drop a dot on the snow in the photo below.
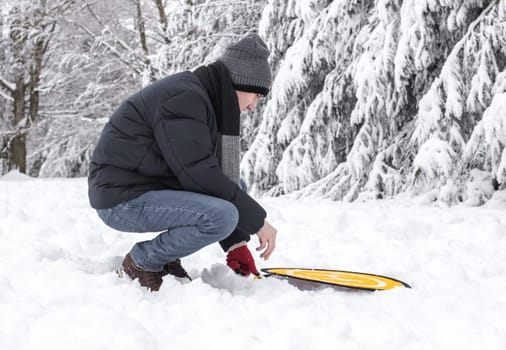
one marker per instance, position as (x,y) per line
(480,187)
(451,76)
(15,175)
(490,135)
(58,289)
(435,158)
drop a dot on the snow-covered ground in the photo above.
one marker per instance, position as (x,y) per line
(58,289)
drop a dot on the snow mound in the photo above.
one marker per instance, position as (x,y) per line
(15,175)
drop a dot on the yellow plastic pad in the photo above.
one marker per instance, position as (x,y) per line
(339,278)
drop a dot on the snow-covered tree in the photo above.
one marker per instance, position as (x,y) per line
(101,52)
(300,75)
(26,29)
(402,87)
(455,102)
(369,99)
(98,64)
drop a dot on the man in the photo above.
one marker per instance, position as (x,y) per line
(168,160)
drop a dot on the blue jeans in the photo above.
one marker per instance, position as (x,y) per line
(189,221)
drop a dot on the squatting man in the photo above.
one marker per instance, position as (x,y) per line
(168,161)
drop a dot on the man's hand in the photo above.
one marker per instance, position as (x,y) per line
(267,239)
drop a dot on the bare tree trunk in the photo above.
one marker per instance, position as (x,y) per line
(17,144)
(142,35)
(141,27)
(163,20)
(26,94)
(39,51)
(17,156)
(17,159)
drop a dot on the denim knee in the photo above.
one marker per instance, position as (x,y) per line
(231,218)
(222,218)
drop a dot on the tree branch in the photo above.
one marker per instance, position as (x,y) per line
(99,21)
(163,21)
(108,46)
(7,85)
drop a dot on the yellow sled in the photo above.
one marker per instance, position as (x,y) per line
(314,278)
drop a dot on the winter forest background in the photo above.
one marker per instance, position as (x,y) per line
(371,98)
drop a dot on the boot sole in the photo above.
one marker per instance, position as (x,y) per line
(120,272)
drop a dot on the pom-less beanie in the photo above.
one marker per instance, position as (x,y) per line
(247,61)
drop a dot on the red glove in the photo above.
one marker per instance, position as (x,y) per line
(241,261)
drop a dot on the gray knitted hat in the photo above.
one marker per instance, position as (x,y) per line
(247,62)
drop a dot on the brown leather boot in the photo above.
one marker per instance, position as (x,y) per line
(151,280)
(175,269)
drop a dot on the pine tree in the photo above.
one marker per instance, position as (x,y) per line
(391,112)
(300,74)
(455,103)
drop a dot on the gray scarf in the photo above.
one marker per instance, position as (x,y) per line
(218,84)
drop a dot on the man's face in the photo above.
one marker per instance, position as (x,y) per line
(247,100)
